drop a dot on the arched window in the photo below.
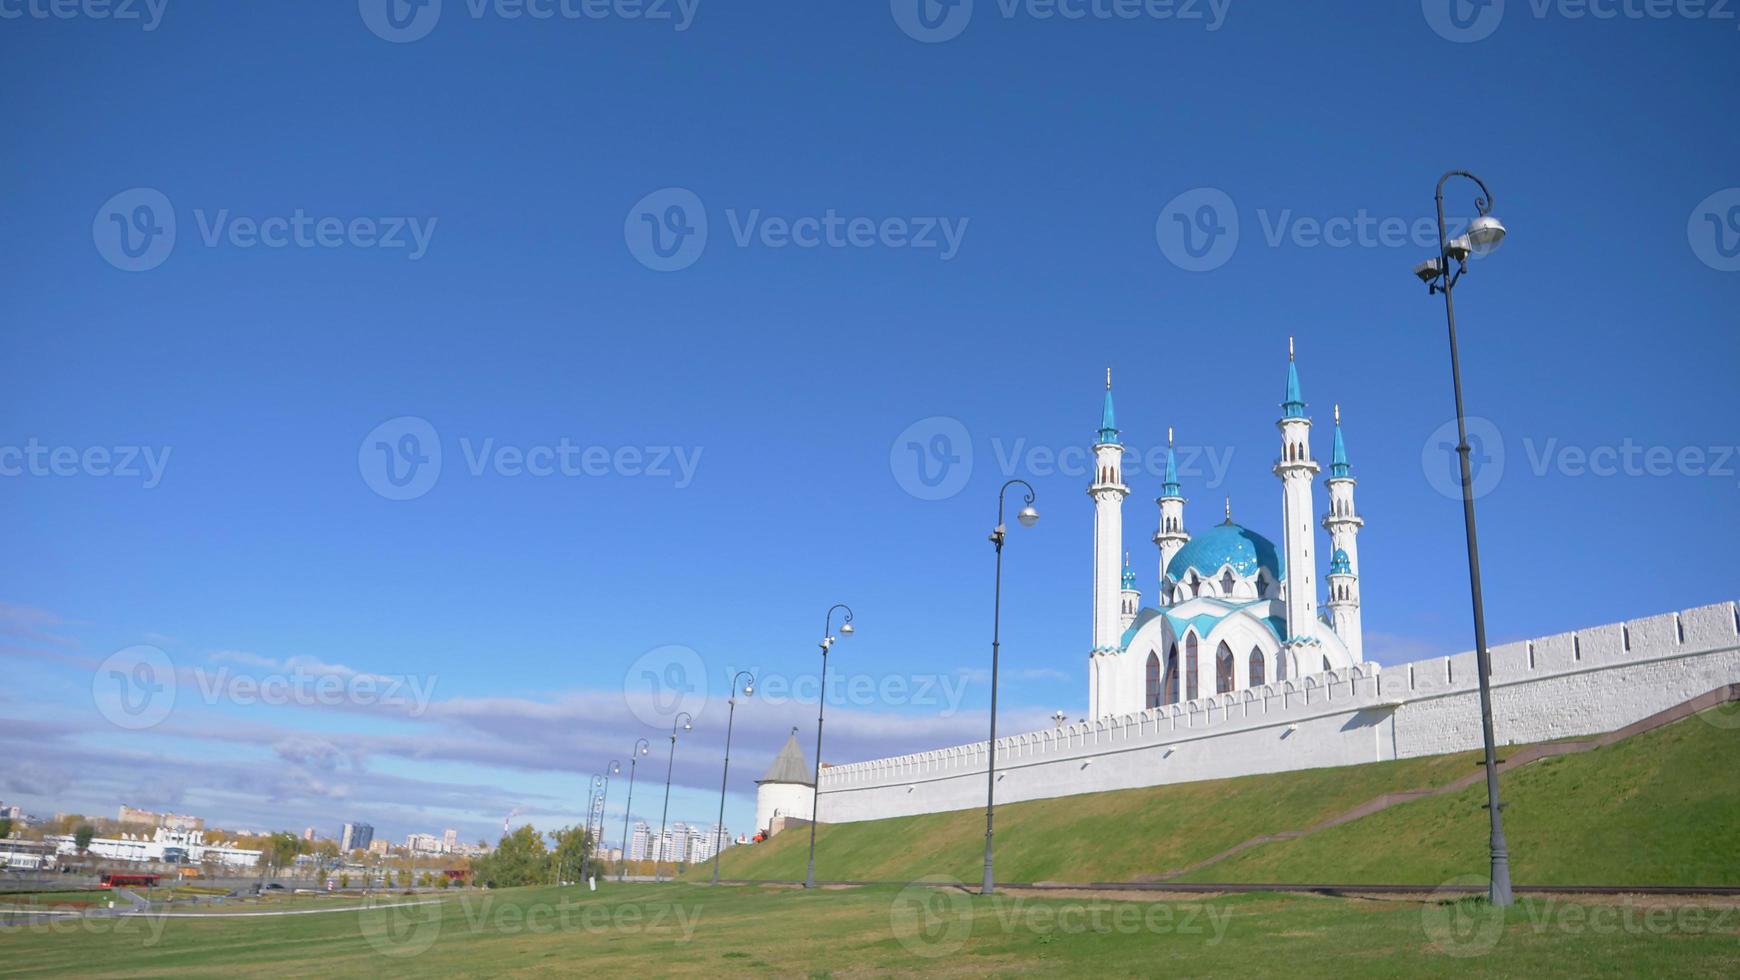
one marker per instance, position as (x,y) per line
(1153,698)
(1172,675)
(1281,665)
(1259,674)
(1195,585)
(1223,669)
(1190,686)
(1226,583)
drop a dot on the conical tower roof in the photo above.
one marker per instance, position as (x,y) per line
(789,765)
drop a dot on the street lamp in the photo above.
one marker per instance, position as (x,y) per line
(822,702)
(687,722)
(1028,517)
(599,783)
(641,746)
(1485,233)
(601,800)
(730,716)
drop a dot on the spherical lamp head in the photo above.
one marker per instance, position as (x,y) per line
(1485,234)
(1028,516)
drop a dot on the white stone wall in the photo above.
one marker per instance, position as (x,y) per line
(1579,683)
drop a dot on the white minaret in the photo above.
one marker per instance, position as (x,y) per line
(1108,491)
(1170,536)
(1298,473)
(1343,523)
(1129,598)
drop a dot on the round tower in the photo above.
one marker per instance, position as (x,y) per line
(1129,599)
(1343,523)
(1170,536)
(1108,492)
(1298,473)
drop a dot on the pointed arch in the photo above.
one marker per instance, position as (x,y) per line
(1152,700)
(1259,671)
(1191,687)
(1171,692)
(1223,669)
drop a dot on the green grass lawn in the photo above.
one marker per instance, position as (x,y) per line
(1661,808)
(687,930)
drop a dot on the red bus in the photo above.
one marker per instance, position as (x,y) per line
(121,880)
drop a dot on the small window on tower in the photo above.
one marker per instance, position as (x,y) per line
(1226,583)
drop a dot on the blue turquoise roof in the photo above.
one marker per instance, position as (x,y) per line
(1129,576)
(1108,420)
(1294,406)
(1338,461)
(1170,488)
(1226,544)
(1204,623)
(1339,564)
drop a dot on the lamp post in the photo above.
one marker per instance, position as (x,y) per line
(730,717)
(599,784)
(822,702)
(1028,517)
(641,747)
(603,801)
(1485,233)
(687,722)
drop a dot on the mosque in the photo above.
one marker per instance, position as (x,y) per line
(1233,610)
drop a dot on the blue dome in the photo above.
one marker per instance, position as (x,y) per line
(1226,544)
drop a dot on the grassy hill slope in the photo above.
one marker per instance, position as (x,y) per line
(1663,807)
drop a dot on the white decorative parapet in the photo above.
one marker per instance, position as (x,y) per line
(1580,683)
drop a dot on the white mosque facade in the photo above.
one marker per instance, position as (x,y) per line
(1234,611)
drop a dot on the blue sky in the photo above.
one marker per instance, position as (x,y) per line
(485,269)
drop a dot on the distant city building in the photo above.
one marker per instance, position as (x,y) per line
(449,840)
(704,844)
(149,818)
(638,841)
(165,845)
(308,833)
(378,848)
(423,844)
(355,837)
